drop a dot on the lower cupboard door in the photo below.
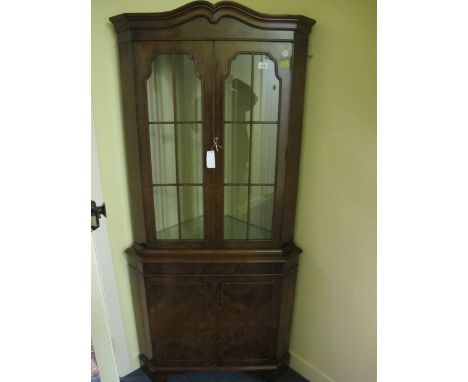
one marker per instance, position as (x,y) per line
(247,319)
(181,320)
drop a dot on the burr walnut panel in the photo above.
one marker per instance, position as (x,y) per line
(181,319)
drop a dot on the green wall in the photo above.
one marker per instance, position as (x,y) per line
(334,324)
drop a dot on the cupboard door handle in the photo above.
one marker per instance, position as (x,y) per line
(96,213)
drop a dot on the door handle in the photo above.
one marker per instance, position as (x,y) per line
(96,213)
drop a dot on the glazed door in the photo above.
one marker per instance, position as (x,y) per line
(178,124)
(251,114)
(194,92)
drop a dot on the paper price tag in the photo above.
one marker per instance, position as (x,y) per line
(210,159)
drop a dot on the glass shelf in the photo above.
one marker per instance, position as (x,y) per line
(235,228)
(190,229)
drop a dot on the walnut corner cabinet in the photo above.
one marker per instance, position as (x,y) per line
(213,100)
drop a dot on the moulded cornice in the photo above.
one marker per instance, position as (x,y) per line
(213,13)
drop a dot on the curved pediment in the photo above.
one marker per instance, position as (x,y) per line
(213,13)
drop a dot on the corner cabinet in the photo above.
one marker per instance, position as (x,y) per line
(213,106)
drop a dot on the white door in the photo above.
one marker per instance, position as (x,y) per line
(107,329)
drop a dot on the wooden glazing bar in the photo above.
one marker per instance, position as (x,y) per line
(175,142)
(250,142)
(252,122)
(175,123)
(246,184)
(179,184)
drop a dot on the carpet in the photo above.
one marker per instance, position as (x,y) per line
(94,367)
(288,376)
(214,377)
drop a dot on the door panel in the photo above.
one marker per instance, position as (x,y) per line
(181,319)
(246,323)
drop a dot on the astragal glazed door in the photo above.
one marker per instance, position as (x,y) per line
(217,98)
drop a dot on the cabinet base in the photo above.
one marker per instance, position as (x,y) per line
(160,373)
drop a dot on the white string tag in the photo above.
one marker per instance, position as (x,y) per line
(210,159)
(210,154)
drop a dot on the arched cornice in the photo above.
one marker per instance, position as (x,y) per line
(213,13)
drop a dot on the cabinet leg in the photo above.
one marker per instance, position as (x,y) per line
(160,378)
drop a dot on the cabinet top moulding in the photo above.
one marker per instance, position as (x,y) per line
(198,15)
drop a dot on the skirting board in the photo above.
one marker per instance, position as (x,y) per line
(307,370)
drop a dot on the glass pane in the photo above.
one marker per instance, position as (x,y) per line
(238,89)
(160,90)
(266,88)
(263,153)
(191,212)
(176,149)
(236,153)
(235,212)
(165,207)
(189,153)
(261,212)
(162,153)
(188,89)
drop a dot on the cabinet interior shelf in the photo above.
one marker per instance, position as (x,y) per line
(234,229)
